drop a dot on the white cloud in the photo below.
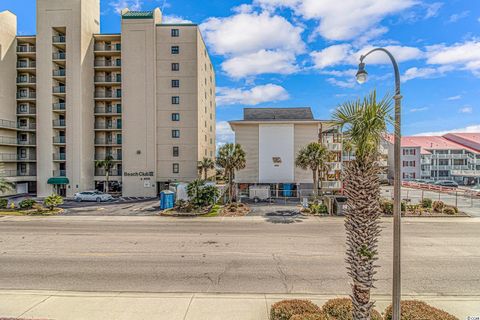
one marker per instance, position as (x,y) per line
(458,97)
(174,19)
(458,16)
(243,8)
(331,56)
(401,54)
(469,129)
(342,20)
(466,109)
(119,5)
(256,95)
(432,9)
(350,83)
(425,73)
(224,133)
(419,109)
(465,56)
(261,62)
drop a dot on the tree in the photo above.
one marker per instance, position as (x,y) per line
(53,201)
(107,164)
(364,122)
(201,194)
(205,165)
(231,158)
(5,185)
(313,157)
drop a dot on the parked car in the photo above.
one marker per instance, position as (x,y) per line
(474,191)
(92,196)
(447,183)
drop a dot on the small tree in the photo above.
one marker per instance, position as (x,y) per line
(108,165)
(200,194)
(231,157)
(5,185)
(205,165)
(314,157)
(53,201)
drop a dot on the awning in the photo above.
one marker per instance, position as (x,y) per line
(58,180)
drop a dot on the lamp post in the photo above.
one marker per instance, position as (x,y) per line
(361,78)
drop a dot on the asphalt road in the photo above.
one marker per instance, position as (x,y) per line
(242,255)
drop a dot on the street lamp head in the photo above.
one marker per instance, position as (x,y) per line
(361,73)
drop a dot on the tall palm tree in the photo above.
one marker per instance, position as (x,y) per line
(313,157)
(231,157)
(205,165)
(364,122)
(107,164)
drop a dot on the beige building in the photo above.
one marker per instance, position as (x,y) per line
(272,138)
(70,96)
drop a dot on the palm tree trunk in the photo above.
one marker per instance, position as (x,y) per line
(205,171)
(362,224)
(107,177)
(315,184)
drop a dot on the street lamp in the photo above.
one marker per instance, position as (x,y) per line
(361,78)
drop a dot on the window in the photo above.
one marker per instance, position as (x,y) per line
(409,152)
(175,49)
(176,152)
(175,133)
(175,83)
(175,100)
(408,163)
(175,32)
(175,116)
(175,66)
(176,168)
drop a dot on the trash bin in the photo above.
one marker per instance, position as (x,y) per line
(287,189)
(339,205)
(167,199)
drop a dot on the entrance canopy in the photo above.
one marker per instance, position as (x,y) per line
(58,180)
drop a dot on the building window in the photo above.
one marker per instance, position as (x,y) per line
(175,66)
(175,33)
(176,152)
(176,168)
(175,49)
(409,152)
(175,116)
(175,133)
(175,83)
(175,100)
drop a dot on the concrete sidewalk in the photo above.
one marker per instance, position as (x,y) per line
(65,305)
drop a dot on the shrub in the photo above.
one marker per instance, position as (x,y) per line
(285,309)
(311,316)
(26,203)
(317,207)
(386,206)
(53,201)
(342,308)
(438,206)
(418,310)
(426,203)
(202,195)
(449,210)
(3,203)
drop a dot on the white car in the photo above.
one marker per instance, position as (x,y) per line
(92,196)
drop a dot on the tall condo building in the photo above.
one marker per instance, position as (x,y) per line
(71,97)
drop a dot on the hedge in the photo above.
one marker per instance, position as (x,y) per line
(342,308)
(285,309)
(418,310)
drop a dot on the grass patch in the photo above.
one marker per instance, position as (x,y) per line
(32,212)
(214,212)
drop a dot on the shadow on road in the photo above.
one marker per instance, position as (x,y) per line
(284,217)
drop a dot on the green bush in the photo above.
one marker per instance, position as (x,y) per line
(438,206)
(3,203)
(26,203)
(386,206)
(342,308)
(317,207)
(418,310)
(53,201)
(202,195)
(449,210)
(427,203)
(311,316)
(285,309)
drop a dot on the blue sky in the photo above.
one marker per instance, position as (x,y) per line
(294,53)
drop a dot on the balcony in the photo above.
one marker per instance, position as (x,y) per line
(59,140)
(27,126)
(59,157)
(24,95)
(8,157)
(26,80)
(334,166)
(60,173)
(331,185)
(59,56)
(58,123)
(108,79)
(59,39)
(18,173)
(108,110)
(7,124)
(334,146)
(107,95)
(8,141)
(99,172)
(108,47)
(26,49)
(449,156)
(108,142)
(26,64)
(59,89)
(108,63)
(460,167)
(103,156)
(26,110)
(28,142)
(108,126)
(60,73)
(59,106)
(27,158)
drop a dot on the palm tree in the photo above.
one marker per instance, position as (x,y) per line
(348,148)
(364,122)
(107,164)
(231,158)
(205,165)
(313,157)
(5,185)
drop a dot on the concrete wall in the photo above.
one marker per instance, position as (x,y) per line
(247,135)
(304,134)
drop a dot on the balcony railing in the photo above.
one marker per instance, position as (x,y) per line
(101,94)
(59,56)
(59,89)
(103,156)
(59,139)
(112,109)
(28,110)
(334,166)
(107,63)
(59,73)
(7,124)
(28,142)
(26,95)
(29,157)
(27,126)
(8,140)
(59,106)
(331,184)
(59,123)
(102,172)
(22,80)
(334,146)
(107,126)
(59,156)
(8,157)
(18,173)
(108,141)
(58,39)
(108,79)
(25,64)
(60,173)
(112,47)
(26,49)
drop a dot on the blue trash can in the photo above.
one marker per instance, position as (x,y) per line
(167,199)
(287,189)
